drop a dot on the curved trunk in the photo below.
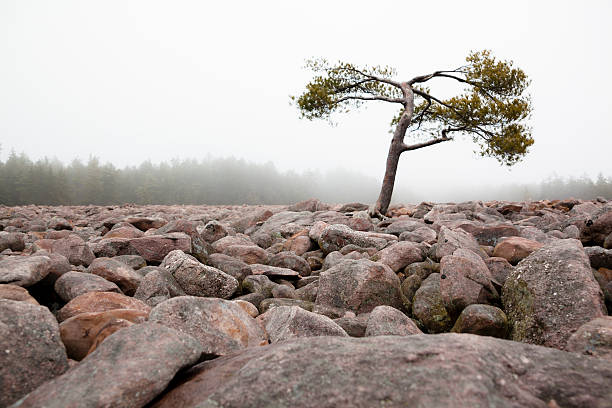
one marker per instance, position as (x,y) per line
(395,150)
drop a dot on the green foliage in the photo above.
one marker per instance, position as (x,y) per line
(493,107)
(338,87)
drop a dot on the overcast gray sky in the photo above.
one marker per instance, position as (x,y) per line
(129,80)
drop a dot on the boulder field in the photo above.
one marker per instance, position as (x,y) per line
(476,304)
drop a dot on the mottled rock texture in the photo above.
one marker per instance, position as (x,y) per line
(396,371)
(31,351)
(551,293)
(127,370)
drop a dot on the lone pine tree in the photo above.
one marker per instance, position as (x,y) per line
(492,107)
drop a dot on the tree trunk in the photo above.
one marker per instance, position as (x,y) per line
(395,150)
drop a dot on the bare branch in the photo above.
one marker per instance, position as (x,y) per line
(373,77)
(422,113)
(371,98)
(431,142)
(424,78)
(444,74)
(353,85)
(428,96)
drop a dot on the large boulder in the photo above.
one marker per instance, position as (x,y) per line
(59,266)
(221,326)
(110,247)
(428,306)
(551,293)
(24,270)
(354,326)
(74,248)
(465,280)
(514,249)
(358,286)
(198,246)
(250,254)
(230,265)
(31,349)
(268,233)
(158,286)
(127,370)
(593,338)
(14,292)
(146,223)
(335,237)
(404,225)
(446,370)
(213,231)
(490,234)
(500,269)
(73,284)
(422,234)
(259,284)
(388,321)
(599,257)
(12,240)
(100,302)
(79,332)
(222,244)
(449,240)
(124,230)
(198,279)
(117,272)
(290,322)
(597,227)
(154,248)
(288,259)
(484,320)
(399,255)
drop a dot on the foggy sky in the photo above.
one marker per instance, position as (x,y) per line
(128,81)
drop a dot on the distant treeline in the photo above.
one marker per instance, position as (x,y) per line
(234,181)
(207,181)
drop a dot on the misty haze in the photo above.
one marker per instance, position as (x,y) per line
(321,204)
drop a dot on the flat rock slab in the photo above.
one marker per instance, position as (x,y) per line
(31,351)
(274,271)
(447,370)
(127,370)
